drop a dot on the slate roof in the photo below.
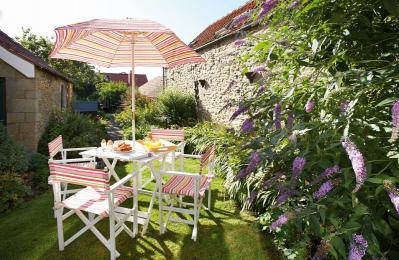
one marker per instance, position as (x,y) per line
(152,88)
(14,47)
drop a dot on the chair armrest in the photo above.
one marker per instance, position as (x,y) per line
(121,182)
(72,160)
(176,173)
(194,156)
(78,149)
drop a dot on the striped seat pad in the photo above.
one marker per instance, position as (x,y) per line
(184,185)
(55,146)
(78,175)
(168,134)
(89,164)
(95,200)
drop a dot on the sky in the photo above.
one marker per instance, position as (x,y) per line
(187,18)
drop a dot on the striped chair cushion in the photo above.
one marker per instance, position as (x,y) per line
(168,134)
(55,146)
(184,185)
(95,200)
(78,175)
(207,157)
(89,164)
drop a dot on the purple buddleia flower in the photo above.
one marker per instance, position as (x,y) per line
(261,90)
(283,197)
(241,109)
(242,18)
(393,194)
(395,121)
(322,250)
(297,166)
(294,4)
(327,173)
(254,161)
(270,182)
(309,106)
(247,126)
(290,120)
(240,42)
(277,116)
(259,69)
(323,190)
(282,219)
(344,106)
(266,7)
(252,196)
(358,247)
(357,160)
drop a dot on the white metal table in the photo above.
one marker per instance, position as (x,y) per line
(143,159)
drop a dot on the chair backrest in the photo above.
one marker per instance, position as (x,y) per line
(55,146)
(207,157)
(95,178)
(168,134)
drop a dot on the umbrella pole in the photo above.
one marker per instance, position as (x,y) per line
(133,97)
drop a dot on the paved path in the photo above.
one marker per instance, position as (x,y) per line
(113,129)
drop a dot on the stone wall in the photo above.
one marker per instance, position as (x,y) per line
(29,102)
(224,84)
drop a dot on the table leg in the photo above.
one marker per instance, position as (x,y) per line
(111,167)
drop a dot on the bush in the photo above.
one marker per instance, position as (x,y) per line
(39,171)
(77,130)
(177,108)
(318,153)
(13,191)
(12,157)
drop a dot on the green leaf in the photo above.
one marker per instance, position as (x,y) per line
(386,102)
(315,225)
(339,245)
(392,7)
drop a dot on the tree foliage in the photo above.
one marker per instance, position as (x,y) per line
(83,75)
(111,93)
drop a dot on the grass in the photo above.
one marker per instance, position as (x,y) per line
(224,233)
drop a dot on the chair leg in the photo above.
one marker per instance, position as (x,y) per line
(60,229)
(172,200)
(209,199)
(196,210)
(181,163)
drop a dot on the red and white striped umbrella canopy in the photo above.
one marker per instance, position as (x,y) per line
(108,43)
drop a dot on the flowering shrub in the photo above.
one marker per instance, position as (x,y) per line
(317,156)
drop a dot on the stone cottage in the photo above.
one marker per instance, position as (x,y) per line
(29,91)
(218,83)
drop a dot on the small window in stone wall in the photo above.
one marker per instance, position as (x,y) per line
(3,112)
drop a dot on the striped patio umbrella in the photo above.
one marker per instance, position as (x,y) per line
(122,43)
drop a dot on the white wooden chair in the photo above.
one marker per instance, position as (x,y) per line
(172,135)
(187,184)
(98,198)
(56,146)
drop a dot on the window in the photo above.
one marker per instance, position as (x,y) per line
(3,113)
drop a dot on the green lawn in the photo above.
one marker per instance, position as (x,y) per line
(224,233)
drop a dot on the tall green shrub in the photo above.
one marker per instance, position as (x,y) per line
(12,157)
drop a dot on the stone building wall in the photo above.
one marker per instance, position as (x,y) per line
(224,84)
(29,102)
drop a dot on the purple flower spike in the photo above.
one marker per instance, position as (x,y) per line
(282,219)
(277,116)
(261,90)
(283,197)
(323,190)
(395,121)
(358,247)
(254,161)
(241,109)
(290,120)
(268,183)
(294,4)
(259,69)
(393,194)
(309,106)
(327,173)
(297,166)
(343,107)
(247,126)
(357,160)
(266,7)
(240,42)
